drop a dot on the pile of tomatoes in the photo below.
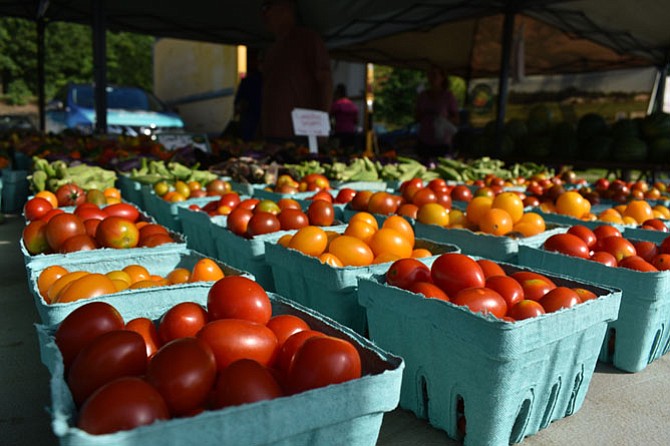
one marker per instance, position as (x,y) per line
(183,190)
(484,287)
(57,284)
(606,244)
(194,358)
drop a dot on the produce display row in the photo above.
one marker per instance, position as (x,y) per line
(381,268)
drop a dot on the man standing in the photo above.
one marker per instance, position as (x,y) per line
(296,71)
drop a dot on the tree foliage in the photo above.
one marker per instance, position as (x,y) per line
(69,56)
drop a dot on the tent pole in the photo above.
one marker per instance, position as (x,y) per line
(503,80)
(99,65)
(659,98)
(41,25)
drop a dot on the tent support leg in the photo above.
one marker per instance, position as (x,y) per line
(100,65)
(503,80)
(41,102)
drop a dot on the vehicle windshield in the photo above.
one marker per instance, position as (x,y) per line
(127,98)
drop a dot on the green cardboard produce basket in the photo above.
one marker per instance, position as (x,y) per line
(509,379)
(642,331)
(349,413)
(131,190)
(197,228)
(165,212)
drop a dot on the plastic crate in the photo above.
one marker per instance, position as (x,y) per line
(642,330)
(131,190)
(495,247)
(15,190)
(329,290)
(349,413)
(126,301)
(197,227)
(509,380)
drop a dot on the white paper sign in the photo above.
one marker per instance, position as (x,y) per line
(310,123)
(173,141)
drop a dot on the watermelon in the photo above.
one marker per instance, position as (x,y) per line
(656,125)
(629,149)
(596,148)
(590,125)
(659,150)
(625,128)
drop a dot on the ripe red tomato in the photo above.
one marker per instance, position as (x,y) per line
(182,320)
(123,404)
(481,300)
(619,247)
(664,247)
(123,210)
(61,227)
(404,272)
(70,195)
(117,232)
(525,275)
(81,242)
(646,249)
(321,213)
(568,244)
(286,325)
(184,372)
(507,287)
(52,213)
(656,224)
(155,240)
(535,289)
(146,328)
(89,213)
(453,272)
(91,226)
(345,195)
(238,297)
(423,196)
(661,262)
(322,361)
(637,263)
(491,268)
(525,309)
(461,193)
(292,219)
(83,325)
(585,294)
(238,220)
(604,257)
(559,297)
(290,346)
(233,339)
(244,381)
(230,199)
(360,200)
(429,290)
(603,231)
(383,203)
(36,208)
(109,356)
(444,199)
(322,195)
(262,223)
(248,204)
(34,237)
(584,233)
(152,229)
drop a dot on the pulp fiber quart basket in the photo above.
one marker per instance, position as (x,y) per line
(131,190)
(130,302)
(646,234)
(494,247)
(566,220)
(349,413)
(329,290)
(508,379)
(197,228)
(361,185)
(641,333)
(348,213)
(246,188)
(165,212)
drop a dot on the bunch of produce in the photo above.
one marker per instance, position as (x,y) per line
(50,176)
(182,190)
(247,170)
(152,172)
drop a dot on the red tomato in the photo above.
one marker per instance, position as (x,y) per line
(238,220)
(88,213)
(34,237)
(322,361)
(238,297)
(535,289)
(360,200)
(81,242)
(52,213)
(461,193)
(646,249)
(184,372)
(453,272)
(444,199)
(507,287)
(604,257)
(152,229)
(248,204)
(61,227)
(345,195)
(244,381)
(285,325)
(585,294)
(429,290)
(655,223)
(383,203)
(491,268)
(231,199)
(559,297)
(109,356)
(568,244)
(233,339)
(117,232)
(323,196)
(665,246)
(603,231)
(438,184)
(182,320)
(83,325)
(292,219)
(661,262)
(91,226)
(36,208)
(584,233)
(424,196)
(123,404)
(123,210)
(146,328)
(525,275)
(290,346)
(525,309)
(637,263)
(404,272)
(481,300)
(262,223)
(321,213)
(70,195)
(619,247)
(155,240)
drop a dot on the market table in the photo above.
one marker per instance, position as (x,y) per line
(620,408)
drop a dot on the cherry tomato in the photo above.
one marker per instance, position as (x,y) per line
(109,356)
(244,381)
(481,300)
(453,272)
(70,195)
(603,231)
(322,361)
(568,244)
(491,268)
(585,294)
(584,233)
(83,325)
(117,232)
(233,339)
(80,242)
(360,200)
(646,249)
(285,325)
(382,203)
(405,272)
(230,199)
(351,251)
(535,289)
(61,227)
(604,257)
(238,297)
(661,262)
(182,320)
(559,297)
(510,289)
(292,219)
(34,237)
(290,346)
(262,223)
(321,213)
(525,275)
(36,208)
(429,290)
(146,328)
(345,195)
(123,210)
(637,263)
(184,372)
(122,404)
(89,213)
(619,247)
(238,220)
(525,309)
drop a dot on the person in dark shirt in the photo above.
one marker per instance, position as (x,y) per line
(248,98)
(345,115)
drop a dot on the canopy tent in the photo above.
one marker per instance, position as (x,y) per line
(469,37)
